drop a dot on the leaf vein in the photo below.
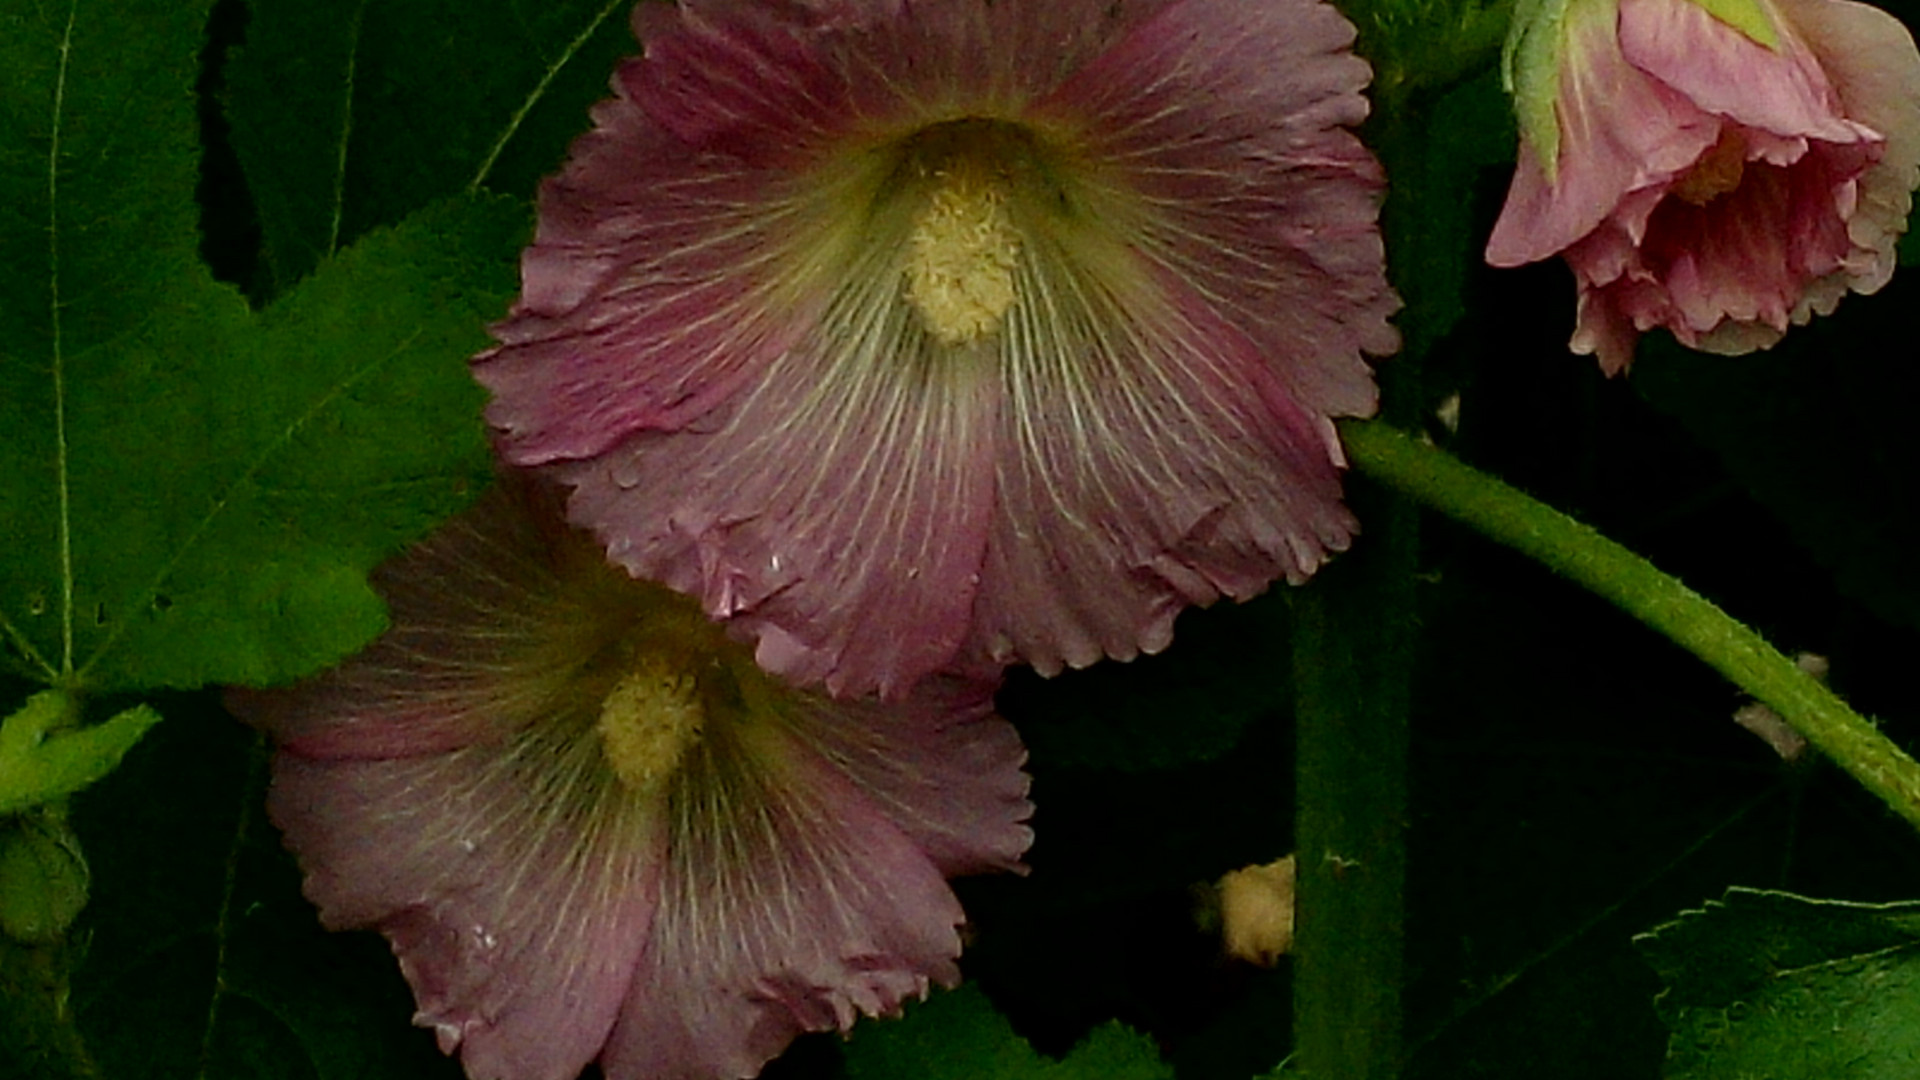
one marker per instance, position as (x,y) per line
(253,468)
(553,70)
(346,129)
(59,369)
(224,921)
(27,651)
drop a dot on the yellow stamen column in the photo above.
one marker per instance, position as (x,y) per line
(961,258)
(648,721)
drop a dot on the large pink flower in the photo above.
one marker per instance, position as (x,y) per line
(593,829)
(1721,181)
(901,331)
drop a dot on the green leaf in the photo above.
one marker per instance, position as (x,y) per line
(344,427)
(959,1036)
(193,494)
(99,285)
(1225,668)
(1817,431)
(204,962)
(348,115)
(1776,986)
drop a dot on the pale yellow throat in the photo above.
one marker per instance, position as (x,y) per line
(649,721)
(961,257)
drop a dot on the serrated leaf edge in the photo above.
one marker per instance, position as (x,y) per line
(253,469)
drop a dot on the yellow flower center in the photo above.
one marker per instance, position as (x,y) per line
(961,257)
(935,244)
(1717,172)
(649,720)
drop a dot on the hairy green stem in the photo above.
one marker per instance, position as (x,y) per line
(1580,554)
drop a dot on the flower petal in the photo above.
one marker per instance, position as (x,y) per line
(518,928)
(790,904)
(471,656)
(637,256)
(1153,463)
(1875,69)
(1727,73)
(1254,188)
(1620,131)
(835,512)
(940,765)
(656,282)
(1730,275)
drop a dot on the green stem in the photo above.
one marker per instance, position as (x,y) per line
(1579,553)
(1353,640)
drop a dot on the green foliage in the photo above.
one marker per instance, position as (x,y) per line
(1772,986)
(218,480)
(1817,429)
(193,494)
(227,484)
(959,1036)
(204,961)
(100,294)
(349,115)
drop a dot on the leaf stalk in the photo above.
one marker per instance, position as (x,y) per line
(1581,554)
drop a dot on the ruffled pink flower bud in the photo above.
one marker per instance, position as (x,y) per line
(594,830)
(1721,168)
(912,334)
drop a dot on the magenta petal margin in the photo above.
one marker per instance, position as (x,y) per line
(883,443)
(593,830)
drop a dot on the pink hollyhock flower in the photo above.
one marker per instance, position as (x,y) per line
(901,331)
(1722,168)
(593,829)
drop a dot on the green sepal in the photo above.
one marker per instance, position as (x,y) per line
(1530,73)
(40,763)
(1750,17)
